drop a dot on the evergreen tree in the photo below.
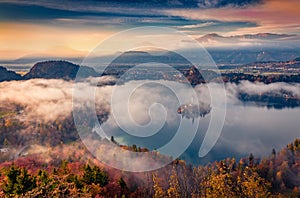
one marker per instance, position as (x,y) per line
(18,181)
(251,160)
(273,154)
(43,177)
(100,176)
(112,139)
(122,183)
(95,175)
(88,175)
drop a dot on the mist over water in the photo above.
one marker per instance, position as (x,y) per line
(250,129)
(247,128)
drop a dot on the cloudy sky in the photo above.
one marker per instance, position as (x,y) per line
(76,27)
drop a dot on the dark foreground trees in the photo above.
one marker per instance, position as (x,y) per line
(61,182)
(18,181)
(274,176)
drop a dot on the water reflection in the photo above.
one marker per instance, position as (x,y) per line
(250,126)
(249,129)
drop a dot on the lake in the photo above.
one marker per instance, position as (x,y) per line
(248,128)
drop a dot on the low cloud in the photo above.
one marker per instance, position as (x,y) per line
(260,89)
(39,98)
(48,100)
(45,100)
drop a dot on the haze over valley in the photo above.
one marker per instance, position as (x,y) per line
(150,98)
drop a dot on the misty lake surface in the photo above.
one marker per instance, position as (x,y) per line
(250,129)
(247,128)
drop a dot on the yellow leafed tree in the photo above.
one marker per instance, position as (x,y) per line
(174,188)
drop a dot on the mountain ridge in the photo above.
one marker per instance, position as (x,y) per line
(52,69)
(6,75)
(264,36)
(61,69)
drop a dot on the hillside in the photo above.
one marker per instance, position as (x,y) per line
(6,75)
(72,172)
(266,72)
(49,70)
(58,70)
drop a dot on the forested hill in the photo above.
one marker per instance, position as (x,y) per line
(49,70)
(57,69)
(65,70)
(6,75)
(276,175)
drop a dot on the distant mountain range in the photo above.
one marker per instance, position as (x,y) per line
(260,41)
(140,57)
(68,71)
(54,53)
(221,56)
(260,36)
(237,49)
(246,56)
